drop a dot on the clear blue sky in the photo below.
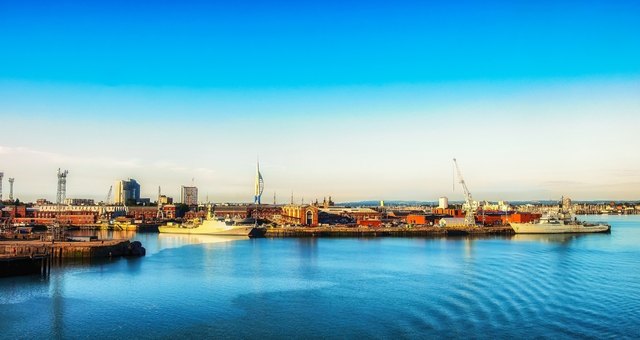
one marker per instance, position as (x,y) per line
(405,77)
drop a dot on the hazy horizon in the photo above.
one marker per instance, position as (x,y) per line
(358,101)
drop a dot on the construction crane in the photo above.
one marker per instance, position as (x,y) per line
(469,217)
(104,215)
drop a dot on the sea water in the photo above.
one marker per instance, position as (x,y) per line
(552,286)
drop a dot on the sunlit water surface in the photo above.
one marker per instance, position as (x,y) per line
(200,286)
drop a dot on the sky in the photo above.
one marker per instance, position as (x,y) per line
(364,100)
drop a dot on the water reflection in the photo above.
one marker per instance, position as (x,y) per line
(57,306)
(547,238)
(178,240)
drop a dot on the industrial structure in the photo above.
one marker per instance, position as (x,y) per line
(160,213)
(1,175)
(58,231)
(443,203)
(468,206)
(62,186)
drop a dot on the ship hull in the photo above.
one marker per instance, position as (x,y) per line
(542,228)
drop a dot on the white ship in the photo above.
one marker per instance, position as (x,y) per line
(209,226)
(213,226)
(559,224)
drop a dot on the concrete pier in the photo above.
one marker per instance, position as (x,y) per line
(79,250)
(33,257)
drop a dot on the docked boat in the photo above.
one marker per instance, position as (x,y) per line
(559,224)
(120,224)
(210,226)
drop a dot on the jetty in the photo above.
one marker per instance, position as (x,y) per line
(18,257)
(430,231)
(70,249)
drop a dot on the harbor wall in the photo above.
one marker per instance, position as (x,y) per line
(78,250)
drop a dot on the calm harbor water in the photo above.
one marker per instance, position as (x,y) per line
(199,286)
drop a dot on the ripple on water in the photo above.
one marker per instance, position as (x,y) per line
(540,287)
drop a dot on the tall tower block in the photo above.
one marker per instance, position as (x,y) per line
(11,188)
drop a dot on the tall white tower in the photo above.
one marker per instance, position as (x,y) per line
(11,188)
(259,185)
(1,175)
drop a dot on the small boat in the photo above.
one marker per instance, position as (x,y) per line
(119,224)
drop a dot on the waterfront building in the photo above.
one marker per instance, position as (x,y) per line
(126,190)
(360,216)
(236,212)
(449,212)
(165,200)
(79,201)
(189,195)
(417,219)
(300,214)
(269,212)
(112,209)
(566,203)
(42,201)
(169,211)
(143,213)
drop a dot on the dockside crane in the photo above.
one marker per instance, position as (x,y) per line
(104,215)
(469,217)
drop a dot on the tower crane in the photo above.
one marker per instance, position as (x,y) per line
(469,217)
